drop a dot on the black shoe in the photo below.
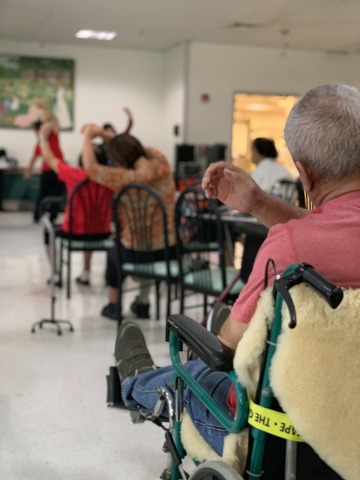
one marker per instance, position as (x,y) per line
(80,281)
(131,353)
(57,281)
(111,310)
(140,309)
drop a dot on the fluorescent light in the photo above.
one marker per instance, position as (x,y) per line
(259,107)
(95,34)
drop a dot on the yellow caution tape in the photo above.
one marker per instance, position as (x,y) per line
(270,421)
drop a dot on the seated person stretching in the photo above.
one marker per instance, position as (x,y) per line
(102,156)
(71,176)
(134,163)
(322,134)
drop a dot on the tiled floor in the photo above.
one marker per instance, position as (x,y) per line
(54,422)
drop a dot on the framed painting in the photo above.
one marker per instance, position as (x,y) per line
(32,87)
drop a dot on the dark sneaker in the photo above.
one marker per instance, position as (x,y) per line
(111,310)
(82,281)
(131,353)
(57,281)
(140,309)
(217,317)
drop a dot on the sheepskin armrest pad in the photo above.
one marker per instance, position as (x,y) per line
(202,342)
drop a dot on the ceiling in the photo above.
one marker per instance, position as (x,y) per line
(331,25)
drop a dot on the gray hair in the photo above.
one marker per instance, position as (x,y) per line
(323,131)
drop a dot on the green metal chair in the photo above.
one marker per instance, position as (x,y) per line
(92,203)
(139,211)
(202,250)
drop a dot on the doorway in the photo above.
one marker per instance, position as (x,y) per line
(260,115)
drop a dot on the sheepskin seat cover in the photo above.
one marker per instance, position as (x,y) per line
(315,375)
(315,372)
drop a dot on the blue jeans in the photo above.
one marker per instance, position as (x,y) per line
(141,390)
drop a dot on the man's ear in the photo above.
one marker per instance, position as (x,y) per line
(306,175)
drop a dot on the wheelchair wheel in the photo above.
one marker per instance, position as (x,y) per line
(213,470)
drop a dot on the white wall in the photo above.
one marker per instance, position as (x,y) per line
(164,89)
(106,80)
(175,96)
(221,70)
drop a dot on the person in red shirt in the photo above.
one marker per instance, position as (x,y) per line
(50,185)
(71,176)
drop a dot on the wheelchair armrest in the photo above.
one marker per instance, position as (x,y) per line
(202,342)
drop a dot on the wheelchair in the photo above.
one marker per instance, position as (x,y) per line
(274,448)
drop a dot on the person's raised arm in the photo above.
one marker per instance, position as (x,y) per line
(47,115)
(55,121)
(234,187)
(90,131)
(130,120)
(30,168)
(48,155)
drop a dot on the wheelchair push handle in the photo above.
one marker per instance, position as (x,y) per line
(304,272)
(330,292)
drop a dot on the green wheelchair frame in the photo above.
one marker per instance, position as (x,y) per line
(204,345)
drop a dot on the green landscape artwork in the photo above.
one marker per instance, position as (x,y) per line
(27,82)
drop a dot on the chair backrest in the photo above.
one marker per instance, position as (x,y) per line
(47,203)
(286,189)
(200,234)
(141,222)
(89,210)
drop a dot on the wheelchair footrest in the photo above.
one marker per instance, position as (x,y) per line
(113,398)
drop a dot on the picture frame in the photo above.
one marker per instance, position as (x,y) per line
(29,82)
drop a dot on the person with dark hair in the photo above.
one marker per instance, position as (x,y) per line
(109,132)
(109,127)
(265,147)
(49,183)
(268,171)
(132,163)
(71,176)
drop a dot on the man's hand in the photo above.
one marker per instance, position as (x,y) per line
(231,185)
(234,187)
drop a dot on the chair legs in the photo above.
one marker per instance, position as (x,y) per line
(61,261)
(64,258)
(158,291)
(205,304)
(182,298)
(68,279)
(168,302)
(157,300)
